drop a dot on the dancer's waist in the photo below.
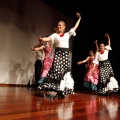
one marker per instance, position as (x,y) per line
(104,61)
(61,49)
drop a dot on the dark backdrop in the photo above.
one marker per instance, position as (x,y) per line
(98,17)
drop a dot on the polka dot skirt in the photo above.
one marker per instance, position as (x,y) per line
(61,65)
(105,73)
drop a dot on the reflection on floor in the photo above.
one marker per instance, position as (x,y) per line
(20,103)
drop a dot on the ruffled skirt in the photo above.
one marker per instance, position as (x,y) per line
(107,82)
(59,77)
(91,78)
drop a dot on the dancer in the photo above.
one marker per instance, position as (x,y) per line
(107,82)
(48,60)
(59,78)
(91,77)
(39,62)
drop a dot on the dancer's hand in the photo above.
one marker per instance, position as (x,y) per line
(107,35)
(32,48)
(80,62)
(40,39)
(96,41)
(78,15)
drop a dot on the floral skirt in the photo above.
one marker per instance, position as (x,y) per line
(46,67)
(91,77)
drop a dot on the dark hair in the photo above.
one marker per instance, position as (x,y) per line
(101,43)
(92,51)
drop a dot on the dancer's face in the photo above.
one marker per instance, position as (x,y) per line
(47,44)
(61,26)
(102,47)
(91,53)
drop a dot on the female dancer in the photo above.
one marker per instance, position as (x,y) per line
(59,78)
(48,60)
(91,77)
(107,82)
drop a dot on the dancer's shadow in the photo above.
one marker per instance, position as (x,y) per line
(21,72)
(25,71)
(14,72)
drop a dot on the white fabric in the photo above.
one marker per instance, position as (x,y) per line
(112,84)
(102,57)
(67,82)
(62,42)
(108,47)
(72,32)
(39,55)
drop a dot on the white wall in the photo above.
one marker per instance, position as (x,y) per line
(21,22)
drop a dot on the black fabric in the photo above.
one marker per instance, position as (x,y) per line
(105,72)
(38,67)
(61,65)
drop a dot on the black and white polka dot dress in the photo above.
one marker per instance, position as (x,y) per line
(107,82)
(59,77)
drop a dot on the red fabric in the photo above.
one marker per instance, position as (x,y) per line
(91,76)
(48,60)
(101,52)
(61,35)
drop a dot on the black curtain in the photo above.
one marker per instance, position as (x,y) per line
(97,19)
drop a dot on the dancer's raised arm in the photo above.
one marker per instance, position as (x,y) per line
(107,35)
(78,21)
(96,44)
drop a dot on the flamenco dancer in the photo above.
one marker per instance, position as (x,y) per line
(59,78)
(48,60)
(107,82)
(91,77)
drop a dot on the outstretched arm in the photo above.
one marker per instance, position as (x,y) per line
(38,48)
(96,44)
(78,21)
(36,45)
(107,35)
(83,61)
(44,39)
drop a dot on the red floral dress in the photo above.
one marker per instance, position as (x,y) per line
(48,60)
(92,75)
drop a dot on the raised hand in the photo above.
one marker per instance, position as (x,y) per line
(40,39)
(96,41)
(107,35)
(78,15)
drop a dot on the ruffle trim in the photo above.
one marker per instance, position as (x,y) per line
(108,47)
(66,85)
(112,86)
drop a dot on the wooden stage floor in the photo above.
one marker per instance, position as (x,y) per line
(20,103)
